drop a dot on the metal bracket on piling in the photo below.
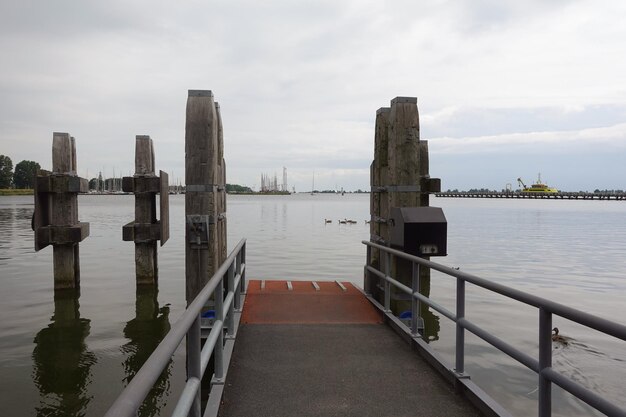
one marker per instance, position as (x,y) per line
(197,228)
(377,239)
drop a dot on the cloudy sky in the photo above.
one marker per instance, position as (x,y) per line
(505,88)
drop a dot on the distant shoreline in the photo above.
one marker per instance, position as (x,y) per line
(11,191)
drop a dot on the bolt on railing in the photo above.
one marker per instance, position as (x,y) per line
(547,308)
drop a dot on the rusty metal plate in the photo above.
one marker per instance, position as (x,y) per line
(275,303)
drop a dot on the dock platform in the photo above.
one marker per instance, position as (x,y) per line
(322,349)
(561,195)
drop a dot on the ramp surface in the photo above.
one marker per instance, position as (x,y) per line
(304,352)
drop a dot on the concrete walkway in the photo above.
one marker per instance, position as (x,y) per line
(308,352)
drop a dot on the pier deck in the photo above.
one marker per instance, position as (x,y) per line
(561,195)
(326,352)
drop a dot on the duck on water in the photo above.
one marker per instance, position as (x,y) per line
(556,337)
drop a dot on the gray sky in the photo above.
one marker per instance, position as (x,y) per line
(505,88)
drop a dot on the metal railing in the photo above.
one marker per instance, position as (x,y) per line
(542,365)
(233,272)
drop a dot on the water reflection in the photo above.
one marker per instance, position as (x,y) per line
(145,332)
(14,226)
(62,363)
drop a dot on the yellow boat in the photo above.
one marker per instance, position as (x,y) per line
(538,187)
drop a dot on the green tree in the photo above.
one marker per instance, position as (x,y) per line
(6,171)
(25,172)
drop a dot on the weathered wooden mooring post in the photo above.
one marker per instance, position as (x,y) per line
(55,220)
(205,196)
(205,206)
(399,178)
(145,230)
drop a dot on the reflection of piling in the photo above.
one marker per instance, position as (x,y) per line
(62,363)
(145,332)
(56,212)
(146,230)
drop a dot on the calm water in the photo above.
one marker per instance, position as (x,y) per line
(73,355)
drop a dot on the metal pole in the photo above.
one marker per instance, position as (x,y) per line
(194,362)
(366,275)
(387,284)
(415,304)
(219,345)
(238,289)
(230,316)
(243,274)
(545,362)
(460,332)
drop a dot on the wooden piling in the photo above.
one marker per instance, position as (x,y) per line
(400,178)
(201,179)
(221,190)
(56,212)
(379,202)
(145,230)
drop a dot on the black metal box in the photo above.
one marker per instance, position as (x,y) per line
(421,231)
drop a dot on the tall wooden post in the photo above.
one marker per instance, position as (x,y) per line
(56,212)
(379,201)
(221,189)
(146,230)
(201,175)
(400,178)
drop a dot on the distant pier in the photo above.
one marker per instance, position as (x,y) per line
(548,196)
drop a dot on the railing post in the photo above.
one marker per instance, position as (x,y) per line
(218,352)
(230,316)
(243,274)
(194,362)
(460,332)
(238,289)
(415,303)
(387,284)
(545,361)
(366,275)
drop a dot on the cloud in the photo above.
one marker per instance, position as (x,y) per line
(299,82)
(598,140)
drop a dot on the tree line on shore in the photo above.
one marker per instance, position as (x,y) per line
(23,177)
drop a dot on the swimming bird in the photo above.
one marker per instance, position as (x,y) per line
(327,221)
(556,337)
(342,221)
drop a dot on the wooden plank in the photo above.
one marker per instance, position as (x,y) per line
(128,232)
(41,216)
(143,184)
(221,182)
(164,202)
(62,183)
(63,235)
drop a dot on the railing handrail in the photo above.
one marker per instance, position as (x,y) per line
(542,366)
(598,323)
(133,395)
